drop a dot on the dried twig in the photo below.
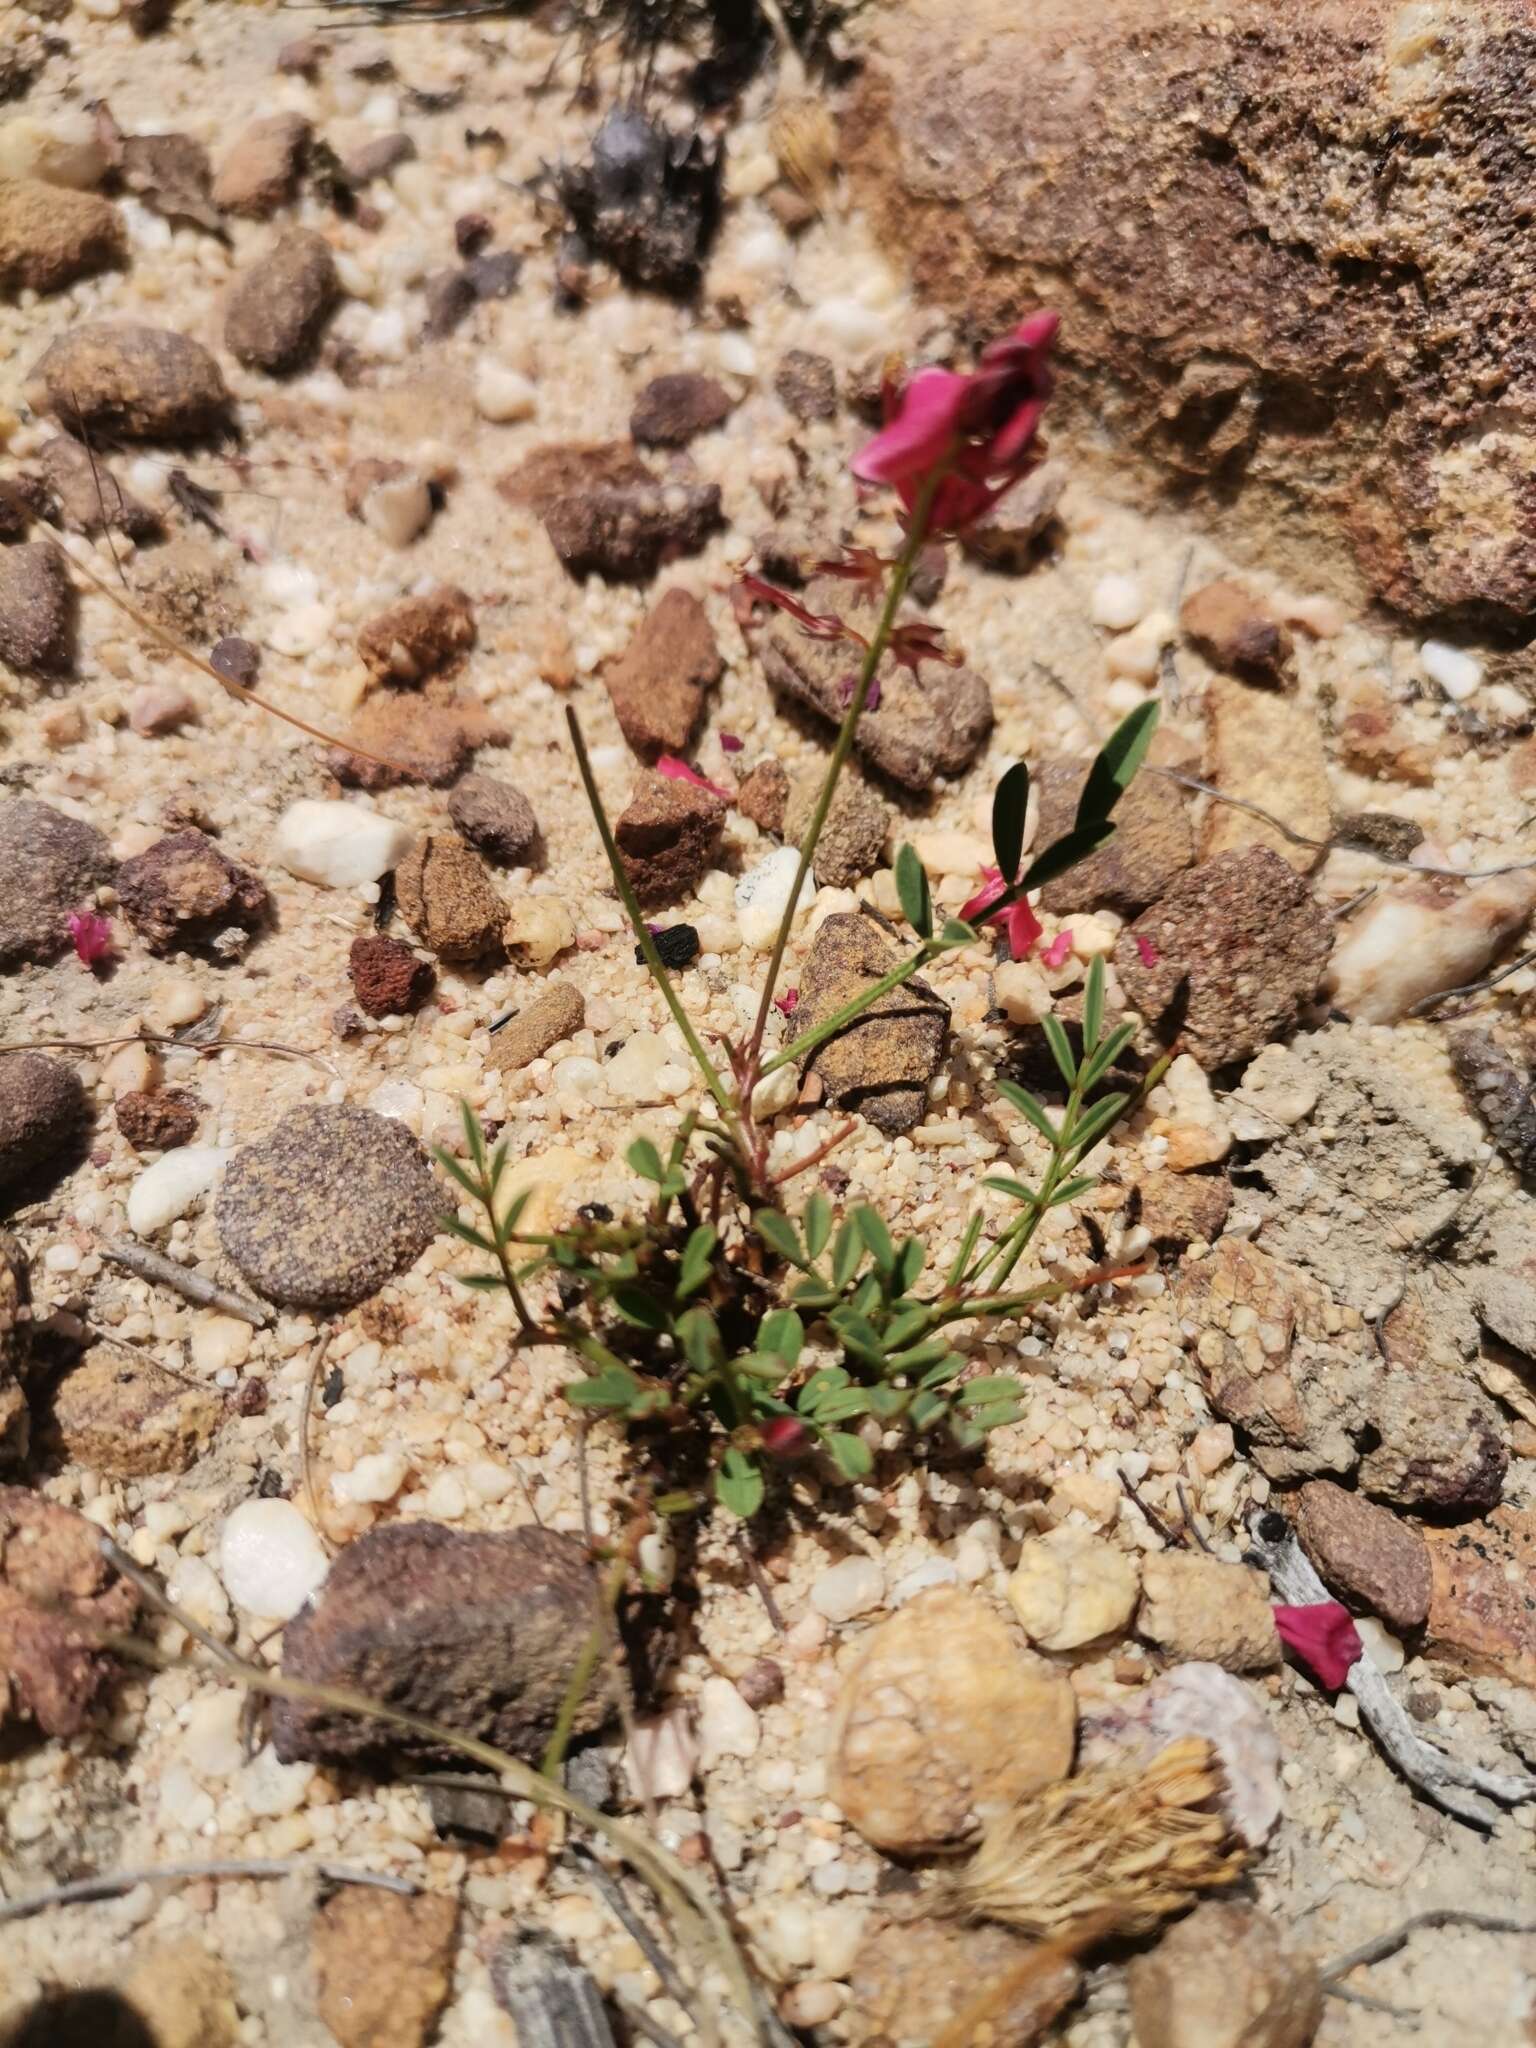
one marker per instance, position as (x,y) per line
(149,1265)
(287,1052)
(1444,1780)
(623,1911)
(112,1885)
(306,1473)
(1391,860)
(1472,988)
(1381,1946)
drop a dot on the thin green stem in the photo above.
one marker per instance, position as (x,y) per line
(896,590)
(647,944)
(582,1673)
(841,1018)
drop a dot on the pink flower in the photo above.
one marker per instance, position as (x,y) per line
(1019,922)
(849,684)
(92,936)
(679,771)
(729,744)
(788,1002)
(782,1436)
(1057,951)
(1145,949)
(1322,1638)
(981,426)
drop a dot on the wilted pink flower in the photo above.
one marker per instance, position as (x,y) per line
(1322,1638)
(815,625)
(919,641)
(1057,951)
(782,1436)
(788,1002)
(729,744)
(982,425)
(849,684)
(856,564)
(679,771)
(1019,922)
(1145,949)
(92,936)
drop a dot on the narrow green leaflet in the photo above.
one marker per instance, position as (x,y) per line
(1093,1004)
(1061,1048)
(998,1386)
(910,1260)
(699,1336)
(956,933)
(1030,1106)
(816,1223)
(614,1387)
(1015,1188)
(739,1484)
(912,892)
(871,1227)
(847,1253)
(645,1159)
(1097,1122)
(780,1234)
(697,1253)
(851,1455)
(1116,764)
(1104,1058)
(782,1333)
(1071,1189)
(1010,806)
(468,1233)
(1078,844)
(636,1306)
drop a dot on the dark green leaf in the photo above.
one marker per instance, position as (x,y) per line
(816,1224)
(613,1387)
(962,1257)
(1070,1190)
(468,1234)
(1116,763)
(1009,805)
(910,1261)
(779,1234)
(466,1180)
(1093,1004)
(694,1270)
(827,1379)
(637,1307)
(887,1401)
(1104,1058)
(782,1333)
(997,1386)
(847,1254)
(700,1339)
(852,1456)
(645,1159)
(1030,1106)
(676,1503)
(957,933)
(901,1329)
(1066,853)
(912,892)
(739,1484)
(843,1405)
(1014,1188)
(485,1281)
(760,1365)
(813,1294)
(860,1337)
(916,1357)
(871,1227)
(1061,1049)
(865,1298)
(926,1409)
(944,1370)
(474,1137)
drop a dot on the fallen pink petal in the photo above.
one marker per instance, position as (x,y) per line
(730,744)
(679,771)
(1322,1638)
(1020,924)
(91,935)
(788,1002)
(1146,952)
(1056,952)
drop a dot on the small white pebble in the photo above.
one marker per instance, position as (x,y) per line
(219,1342)
(270,1559)
(762,895)
(398,509)
(168,1189)
(727,1725)
(503,394)
(1117,603)
(338,844)
(378,1477)
(1457,672)
(853,1587)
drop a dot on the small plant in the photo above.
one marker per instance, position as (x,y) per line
(727,1335)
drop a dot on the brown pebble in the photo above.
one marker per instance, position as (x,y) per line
(279,304)
(1365,1553)
(763,795)
(419,636)
(383,1965)
(672,410)
(126,1417)
(51,235)
(446,897)
(37,610)
(158,1121)
(262,169)
(494,817)
(657,685)
(667,837)
(388,979)
(762,1683)
(1236,631)
(140,383)
(58,1597)
(557,1012)
(251,1398)
(183,891)
(807,384)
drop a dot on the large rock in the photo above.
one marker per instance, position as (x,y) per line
(880,1064)
(52,864)
(481,1632)
(127,1417)
(42,1107)
(141,383)
(58,1596)
(1367,1555)
(917,1755)
(1287,245)
(1227,1977)
(917,1980)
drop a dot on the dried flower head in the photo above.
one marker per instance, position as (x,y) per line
(1113,1851)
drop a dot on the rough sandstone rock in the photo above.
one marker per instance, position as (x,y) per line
(1228,1976)
(763,795)
(1482,1617)
(916,1763)
(263,165)
(881,1064)
(1007,537)
(183,891)
(1071,1588)
(1266,750)
(1249,310)
(90,497)
(852,842)
(37,610)
(1250,938)
(1368,1556)
(383,1965)
(1153,841)
(557,1012)
(606,513)
(50,236)
(418,636)
(15,1349)
(667,836)
(658,683)
(406,736)
(673,409)
(1177,1208)
(184,1995)
(52,864)
(917,1980)
(807,384)
(388,979)
(279,304)
(125,1417)
(478,1631)
(927,723)
(446,897)
(42,1106)
(52,1577)
(1198,1608)
(1236,631)
(158,1121)
(143,383)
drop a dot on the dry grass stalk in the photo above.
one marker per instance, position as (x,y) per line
(804,138)
(1113,1851)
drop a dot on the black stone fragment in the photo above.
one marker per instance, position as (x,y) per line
(678,946)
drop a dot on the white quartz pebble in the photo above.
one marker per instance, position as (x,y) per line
(727,1725)
(853,1587)
(1117,603)
(270,1559)
(398,508)
(763,892)
(377,1477)
(339,845)
(1457,672)
(168,1189)
(502,394)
